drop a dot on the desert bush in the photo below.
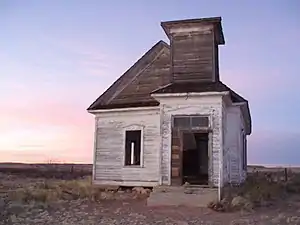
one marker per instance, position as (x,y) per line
(258,190)
(261,189)
(141,190)
(233,204)
(218,206)
(241,203)
(293,184)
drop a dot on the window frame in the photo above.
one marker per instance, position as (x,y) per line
(191,127)
(134,127)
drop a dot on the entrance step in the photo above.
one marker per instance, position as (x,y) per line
(182,196)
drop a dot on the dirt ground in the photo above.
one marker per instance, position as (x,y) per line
(130,211)
(136,212)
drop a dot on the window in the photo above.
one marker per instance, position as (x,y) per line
(182,122)
(189,122)
(133,147)
(199,121)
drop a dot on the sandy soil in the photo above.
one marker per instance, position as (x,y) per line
(131,211)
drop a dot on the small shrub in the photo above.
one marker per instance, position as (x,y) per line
(261,189)
(140,192)
(217,206)
(19,194)
(258,190)
(240,202)
(293,185)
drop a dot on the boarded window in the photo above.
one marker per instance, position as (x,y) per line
(199,121)
(189,122)
(182,122)
(133,147)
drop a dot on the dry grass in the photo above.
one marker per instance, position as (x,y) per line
(48,191)
(259,190)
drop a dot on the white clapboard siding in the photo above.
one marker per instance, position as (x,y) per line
(226,163)
(233,144)
(205,105)
(110,148)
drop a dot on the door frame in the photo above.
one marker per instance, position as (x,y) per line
(209,155)
(196,131)
(210,158)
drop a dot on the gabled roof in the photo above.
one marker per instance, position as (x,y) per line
(150,75)
(133,88)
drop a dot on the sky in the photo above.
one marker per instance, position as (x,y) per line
(57,57)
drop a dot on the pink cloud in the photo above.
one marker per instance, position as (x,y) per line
(40,110)
(45,129)
(45,157)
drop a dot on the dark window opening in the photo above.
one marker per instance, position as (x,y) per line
(133,148)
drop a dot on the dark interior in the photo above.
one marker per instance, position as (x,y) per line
(195,158)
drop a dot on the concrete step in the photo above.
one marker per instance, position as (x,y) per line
(178,196)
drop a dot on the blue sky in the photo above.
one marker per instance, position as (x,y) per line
(58,56)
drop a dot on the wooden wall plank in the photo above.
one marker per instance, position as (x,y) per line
(206,106)
(110,148)
(193,57)
(156,75)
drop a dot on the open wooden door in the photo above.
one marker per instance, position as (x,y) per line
(176,158)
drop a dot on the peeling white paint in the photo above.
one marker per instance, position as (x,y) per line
(155,123)
(181,105)
(234,145)
(110,148)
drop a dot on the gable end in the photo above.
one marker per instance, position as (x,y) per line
(103,101)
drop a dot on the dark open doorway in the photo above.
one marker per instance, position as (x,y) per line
(195,158)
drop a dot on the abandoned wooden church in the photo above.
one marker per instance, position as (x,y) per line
(169,119)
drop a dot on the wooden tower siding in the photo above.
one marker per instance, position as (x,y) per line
(194,49)
(192,58)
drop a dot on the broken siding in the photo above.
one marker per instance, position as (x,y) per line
(190,106)
(110,148)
